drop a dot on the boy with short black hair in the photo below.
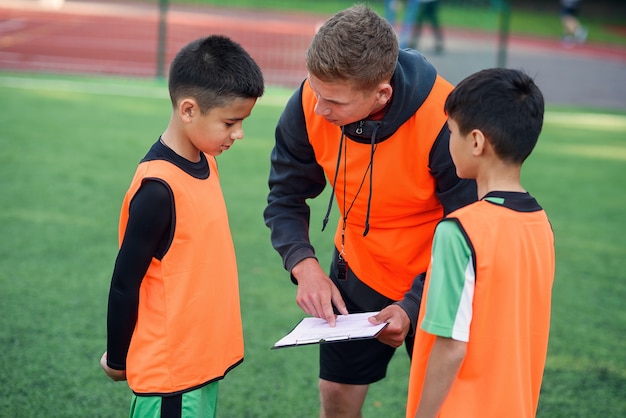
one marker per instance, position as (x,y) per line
(174,323)
(481,345)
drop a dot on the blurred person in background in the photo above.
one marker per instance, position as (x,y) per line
(418,12)
(573,31)
(415,14)
(392,7)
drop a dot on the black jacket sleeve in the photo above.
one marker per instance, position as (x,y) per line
(294,177)
(413,300)
(149,221)
(452,192)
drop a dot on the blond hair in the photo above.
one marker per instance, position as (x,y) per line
(355,45)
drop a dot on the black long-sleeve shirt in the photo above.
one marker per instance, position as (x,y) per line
(147,236)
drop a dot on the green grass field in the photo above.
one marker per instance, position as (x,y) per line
(69,147)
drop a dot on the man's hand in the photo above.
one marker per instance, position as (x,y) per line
(399,325)
(316,292)
(117,375)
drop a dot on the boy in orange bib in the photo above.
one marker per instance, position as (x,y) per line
(481,344)
(174,323)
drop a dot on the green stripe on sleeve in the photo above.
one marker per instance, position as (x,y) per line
(451,260)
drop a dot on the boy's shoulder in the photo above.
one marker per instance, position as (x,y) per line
(163,159)
(516,201)
(494,206)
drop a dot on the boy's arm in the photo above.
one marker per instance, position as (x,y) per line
(444,363)
(149,220)
(450,278)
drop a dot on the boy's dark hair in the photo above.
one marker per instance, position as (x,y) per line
(505,104)
(355,45)
(214,70)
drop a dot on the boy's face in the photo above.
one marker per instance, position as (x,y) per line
(340,104)
(216,131)
(461,147)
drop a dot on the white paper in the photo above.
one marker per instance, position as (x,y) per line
(316,330)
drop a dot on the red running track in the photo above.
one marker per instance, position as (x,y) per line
(122,38)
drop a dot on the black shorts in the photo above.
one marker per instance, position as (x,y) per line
(357,362)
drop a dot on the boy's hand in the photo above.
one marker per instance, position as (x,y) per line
(117,375)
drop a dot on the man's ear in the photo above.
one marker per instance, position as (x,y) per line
(384,93)
(187,109)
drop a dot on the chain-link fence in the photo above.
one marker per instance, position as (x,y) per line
(140,38)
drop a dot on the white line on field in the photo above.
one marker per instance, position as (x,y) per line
(587,120)
(272,97)
(84,87)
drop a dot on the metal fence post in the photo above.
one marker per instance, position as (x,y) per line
(162,48)
(504,18)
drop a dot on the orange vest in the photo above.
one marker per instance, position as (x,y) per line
(188,330)
(404,208)
(503,368)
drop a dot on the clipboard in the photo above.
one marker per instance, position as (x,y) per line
(317,331)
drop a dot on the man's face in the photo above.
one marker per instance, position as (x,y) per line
(341,104)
